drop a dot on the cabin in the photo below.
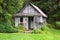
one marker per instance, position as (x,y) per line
(31,16)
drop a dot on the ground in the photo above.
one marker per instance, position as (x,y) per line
(53,35)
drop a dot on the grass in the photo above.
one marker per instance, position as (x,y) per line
(54,35)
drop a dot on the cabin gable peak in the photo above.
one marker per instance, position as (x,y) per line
(28,8)
(32,9)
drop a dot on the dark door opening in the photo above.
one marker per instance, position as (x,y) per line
(21,19)
(30,19)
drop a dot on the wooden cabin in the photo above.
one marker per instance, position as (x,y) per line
(31,16)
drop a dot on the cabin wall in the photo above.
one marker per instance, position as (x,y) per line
(25,21)
(36,24)
(38,19)
(17,21)
(44,21)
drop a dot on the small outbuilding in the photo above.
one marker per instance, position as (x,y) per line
(31,16)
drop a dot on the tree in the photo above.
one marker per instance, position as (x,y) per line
(9,7)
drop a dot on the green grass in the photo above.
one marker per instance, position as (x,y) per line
(54,35)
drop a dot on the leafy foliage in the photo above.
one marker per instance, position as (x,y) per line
(9,7)
(57,25)
(21,28)
(7,28)
(36,30)
(44,29)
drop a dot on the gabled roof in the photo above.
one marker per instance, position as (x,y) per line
(39,10)
(36,8)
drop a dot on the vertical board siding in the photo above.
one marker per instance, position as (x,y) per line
(25,21)
(44,21)
(37,19)
(29,9)
(41,19)
(17,21)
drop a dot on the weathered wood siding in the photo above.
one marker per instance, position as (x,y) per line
(29,9)
(44,21)
(32,24)
(17,21)
(25,21)
(37,19)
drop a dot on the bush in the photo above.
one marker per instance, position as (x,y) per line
(36,30)
(44,29)
(21,28)
(7,28)
(49,25)
(57,25)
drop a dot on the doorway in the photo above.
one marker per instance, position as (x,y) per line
(30,19)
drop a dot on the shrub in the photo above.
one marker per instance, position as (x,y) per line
(49,25)
(57,25)
(2,28)
(21,28)
(44,28)
(7,28)
(36,30)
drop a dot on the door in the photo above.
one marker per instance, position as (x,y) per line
(30,20)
